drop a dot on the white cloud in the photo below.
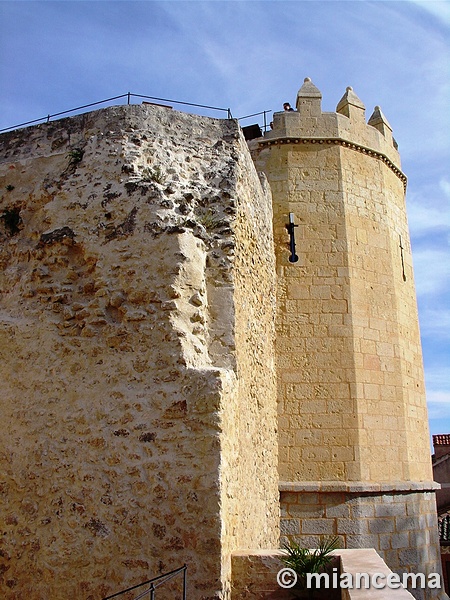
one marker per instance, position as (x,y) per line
(438,402)
(444,184)
(435,323)
(439,397)
(438,8)
(431,271)
(429,222)
(429,207)
(423,218)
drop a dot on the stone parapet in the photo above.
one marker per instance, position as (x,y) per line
(255,573)
(347,125)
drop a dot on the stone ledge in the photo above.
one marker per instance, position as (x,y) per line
(366,560)
(254,575)
(358,486)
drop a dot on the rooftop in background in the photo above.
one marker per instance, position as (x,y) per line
(442,439)
(441,444)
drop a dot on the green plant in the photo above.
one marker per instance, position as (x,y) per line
(76,156)
(304,561)
(9,187)
(12,220)
(155,175)
(209,220)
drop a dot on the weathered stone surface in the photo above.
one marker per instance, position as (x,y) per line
(349,361)
(351,394)
(140,295)
(136,332)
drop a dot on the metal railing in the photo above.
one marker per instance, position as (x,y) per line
(128,96)
(154,584)
(263,112)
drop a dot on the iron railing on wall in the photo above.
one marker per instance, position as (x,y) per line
(153,584)
(264,126)
(128,97)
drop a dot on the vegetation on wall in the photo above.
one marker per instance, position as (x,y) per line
(12,220)
(156,175)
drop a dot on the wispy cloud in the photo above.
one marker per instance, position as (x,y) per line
(438,402)
(444,184)
(429,208)
(435,324)
(438,399)
(431,271)
(429,221)
(438,393)
(438,8)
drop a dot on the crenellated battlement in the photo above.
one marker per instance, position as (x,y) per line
(346,127)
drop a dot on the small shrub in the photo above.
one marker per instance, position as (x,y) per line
(12,220)
(155,175)
(304,561)
(76,156)
(209,220)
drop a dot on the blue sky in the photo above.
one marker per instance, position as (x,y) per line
(252,56)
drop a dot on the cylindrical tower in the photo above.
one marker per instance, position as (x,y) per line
(354,455)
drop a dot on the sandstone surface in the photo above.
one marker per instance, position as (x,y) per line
(136,334)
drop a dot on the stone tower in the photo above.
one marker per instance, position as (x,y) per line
(354,454)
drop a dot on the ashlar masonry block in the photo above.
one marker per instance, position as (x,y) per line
(353,247)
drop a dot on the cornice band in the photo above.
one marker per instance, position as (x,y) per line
(344,144)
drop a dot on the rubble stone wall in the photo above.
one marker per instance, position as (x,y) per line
(135,437)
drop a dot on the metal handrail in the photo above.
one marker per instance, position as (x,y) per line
(263,112)
(155,583)
(128,95)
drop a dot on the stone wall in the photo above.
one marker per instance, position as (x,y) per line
(349,362)
(390,387)
(400,525)
(139,426)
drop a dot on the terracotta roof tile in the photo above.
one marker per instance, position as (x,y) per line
(443,439)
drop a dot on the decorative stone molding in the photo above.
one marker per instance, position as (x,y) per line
(344,144)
